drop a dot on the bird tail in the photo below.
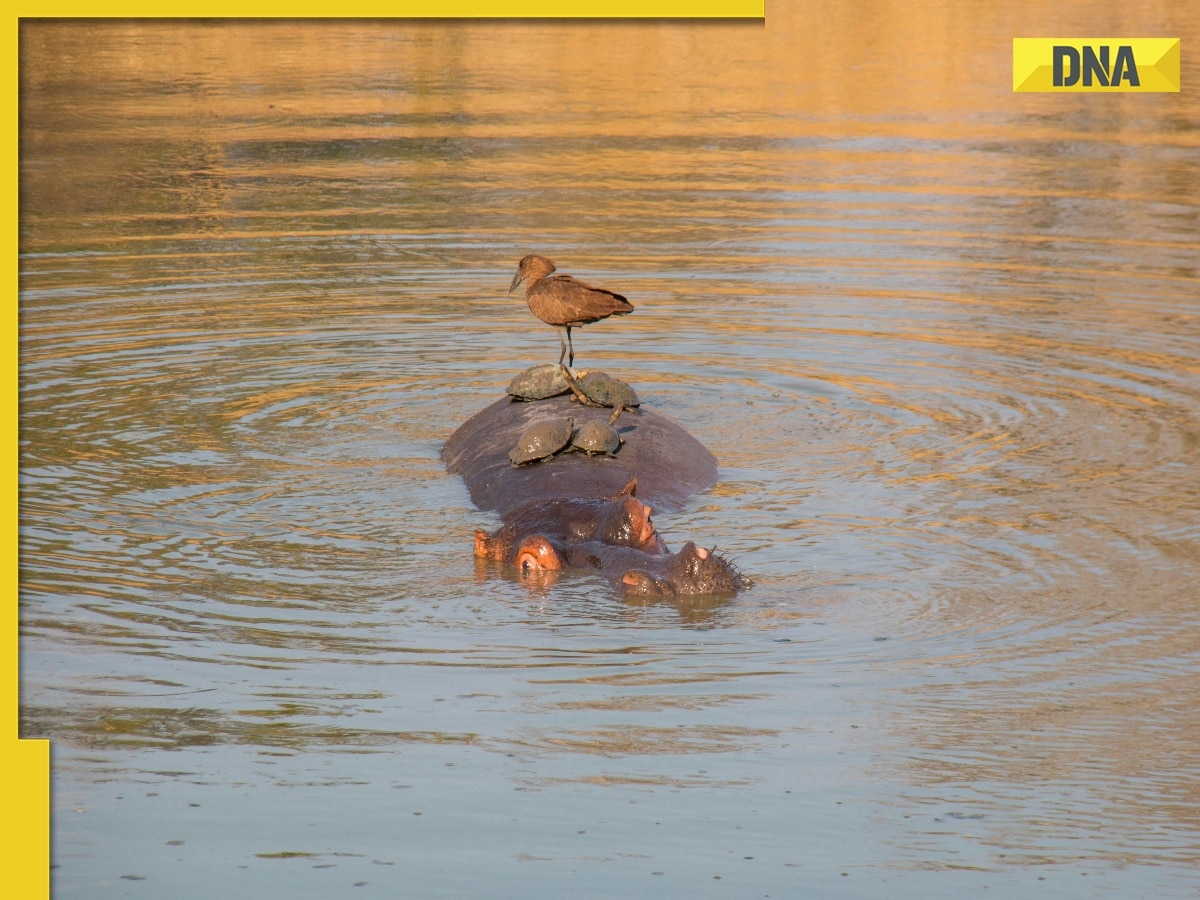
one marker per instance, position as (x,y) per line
(618,305)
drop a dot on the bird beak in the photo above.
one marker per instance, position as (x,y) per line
(517,279)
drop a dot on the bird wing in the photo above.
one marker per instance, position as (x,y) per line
(563,300)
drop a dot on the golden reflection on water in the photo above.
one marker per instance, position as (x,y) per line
(942,337)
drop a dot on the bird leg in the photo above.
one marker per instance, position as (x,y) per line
(563,346)
(571,347)
(575,389)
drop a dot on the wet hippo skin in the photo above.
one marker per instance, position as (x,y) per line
(670,464)
(623,521)
(692,570)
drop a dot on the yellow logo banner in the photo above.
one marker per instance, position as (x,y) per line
(1095,64)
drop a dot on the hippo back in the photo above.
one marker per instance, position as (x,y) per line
(670,464)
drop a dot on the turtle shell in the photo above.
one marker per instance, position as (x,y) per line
(596,437)
(538,383)
(607,391)
(540,440)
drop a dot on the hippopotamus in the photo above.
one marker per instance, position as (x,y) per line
(636,573)
(622,521)
(693,570)
(573,510)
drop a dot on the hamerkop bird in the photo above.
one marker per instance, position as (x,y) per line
(563,302)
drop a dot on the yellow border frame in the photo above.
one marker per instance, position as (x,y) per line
(427,9)
(26,859)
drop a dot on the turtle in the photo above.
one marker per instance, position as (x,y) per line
(538,383)
(541,440)
(596,437)
(605,390)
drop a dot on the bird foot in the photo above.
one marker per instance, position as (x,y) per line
(574,386)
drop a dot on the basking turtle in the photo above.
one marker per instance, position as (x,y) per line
(596,437)
(605,390)
(538,383)
(541,440)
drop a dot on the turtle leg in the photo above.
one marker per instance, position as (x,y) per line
(562,345)
(571,347)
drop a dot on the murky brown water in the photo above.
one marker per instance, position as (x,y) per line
(944,339)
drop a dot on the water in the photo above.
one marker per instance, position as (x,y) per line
(943,339)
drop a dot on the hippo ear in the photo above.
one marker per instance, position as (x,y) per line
(482,543)
(630,490)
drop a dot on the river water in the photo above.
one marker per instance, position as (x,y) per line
(944,340)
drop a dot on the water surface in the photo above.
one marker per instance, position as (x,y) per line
(943,339)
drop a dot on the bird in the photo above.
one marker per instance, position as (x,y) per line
(563,301)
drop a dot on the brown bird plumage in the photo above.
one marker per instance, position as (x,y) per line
(564,302)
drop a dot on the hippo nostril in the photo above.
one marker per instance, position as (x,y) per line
(702,553)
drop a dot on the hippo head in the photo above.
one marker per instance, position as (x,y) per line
(626,523)
(693,570)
